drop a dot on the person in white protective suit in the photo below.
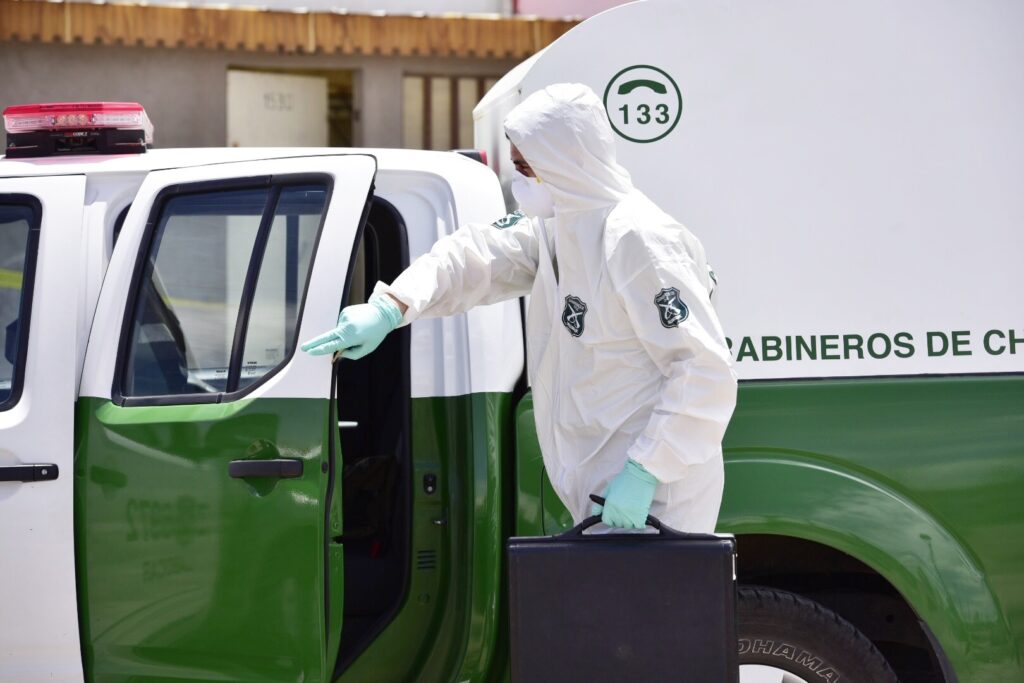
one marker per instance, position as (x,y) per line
(632,381)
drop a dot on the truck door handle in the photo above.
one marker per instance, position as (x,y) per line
(35,472)
(281,468)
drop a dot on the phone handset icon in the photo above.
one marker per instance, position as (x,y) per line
(630,86)
(643,103)
(642,111)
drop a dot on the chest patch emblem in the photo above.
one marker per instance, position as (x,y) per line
(573,314)
(509,220)
(671,308)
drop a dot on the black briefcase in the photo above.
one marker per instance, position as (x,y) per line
(623,607)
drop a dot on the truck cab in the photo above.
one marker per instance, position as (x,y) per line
(189,495)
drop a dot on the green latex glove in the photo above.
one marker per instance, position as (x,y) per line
(360,329)
(627,499)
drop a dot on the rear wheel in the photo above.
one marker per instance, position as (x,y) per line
(784,638)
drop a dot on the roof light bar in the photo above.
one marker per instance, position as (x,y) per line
(77,128)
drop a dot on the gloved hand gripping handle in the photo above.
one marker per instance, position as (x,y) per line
(652,521)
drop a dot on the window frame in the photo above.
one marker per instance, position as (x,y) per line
(426,115)
(28,281)
(275,184)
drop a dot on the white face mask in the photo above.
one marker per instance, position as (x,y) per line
(534,197)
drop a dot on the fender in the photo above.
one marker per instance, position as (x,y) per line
(784,493)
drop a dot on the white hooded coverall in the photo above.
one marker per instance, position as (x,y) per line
(626,356)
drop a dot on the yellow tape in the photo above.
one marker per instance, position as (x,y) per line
(10,279)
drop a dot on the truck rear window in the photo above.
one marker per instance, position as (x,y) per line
(19,230)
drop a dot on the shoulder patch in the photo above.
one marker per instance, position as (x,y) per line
(509,220)
(671,309)
(573,315)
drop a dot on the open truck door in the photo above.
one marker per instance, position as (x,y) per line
(206,453)
(40,228)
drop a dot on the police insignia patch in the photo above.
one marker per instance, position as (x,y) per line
(572,315)
(509,220)
(671,308)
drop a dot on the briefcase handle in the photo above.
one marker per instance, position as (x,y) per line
(652,521)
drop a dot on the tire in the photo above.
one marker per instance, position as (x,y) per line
(801,638)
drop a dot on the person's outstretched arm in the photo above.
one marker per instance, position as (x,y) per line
(478,264)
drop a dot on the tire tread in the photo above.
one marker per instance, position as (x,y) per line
(763,602)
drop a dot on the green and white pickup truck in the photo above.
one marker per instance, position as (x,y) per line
(183,496)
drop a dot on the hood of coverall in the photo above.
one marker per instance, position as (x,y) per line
(563,133)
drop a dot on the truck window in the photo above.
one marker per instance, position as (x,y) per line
(270,338)
(19,233)
(218,299)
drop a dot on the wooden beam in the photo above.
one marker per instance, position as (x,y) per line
(274,31)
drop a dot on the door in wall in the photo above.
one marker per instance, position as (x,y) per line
(276,110)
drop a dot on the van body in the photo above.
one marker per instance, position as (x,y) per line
(853,170)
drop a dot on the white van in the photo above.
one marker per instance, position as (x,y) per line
(855,172)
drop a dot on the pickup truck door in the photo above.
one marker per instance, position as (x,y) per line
(40,233)
(204,462)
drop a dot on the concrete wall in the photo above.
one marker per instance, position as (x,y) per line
(184,91)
